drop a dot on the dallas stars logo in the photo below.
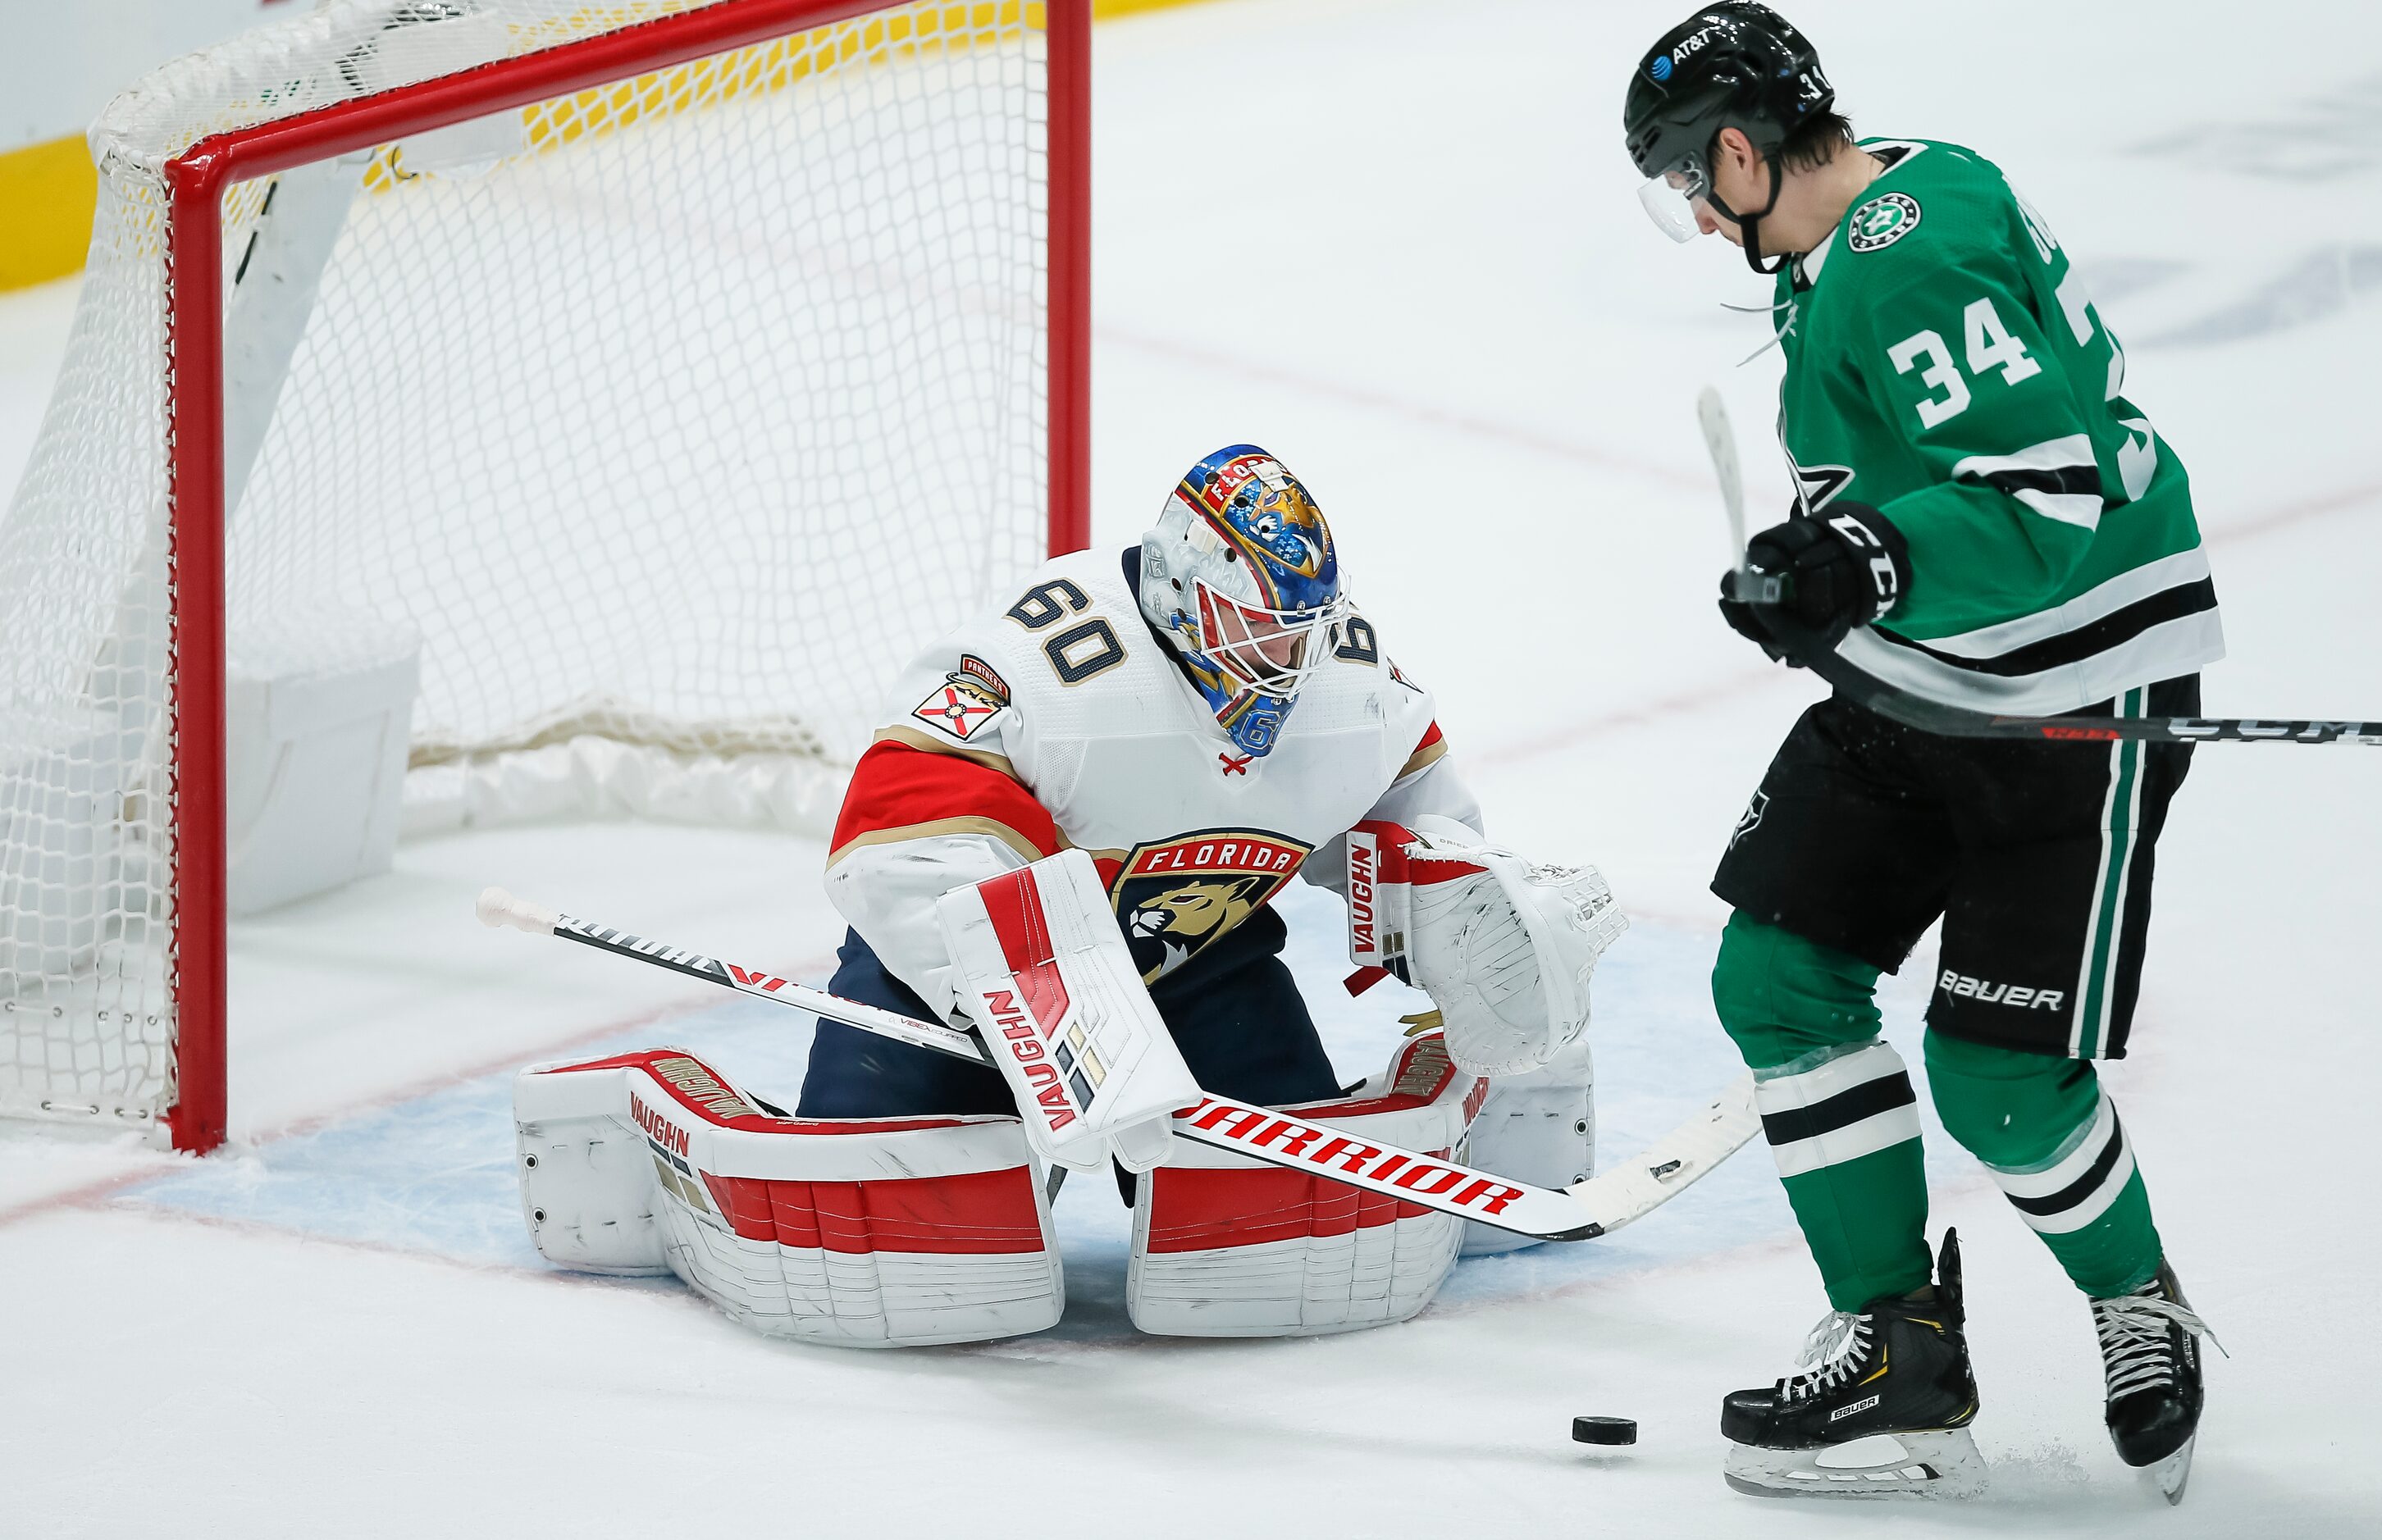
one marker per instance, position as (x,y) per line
(1882,221)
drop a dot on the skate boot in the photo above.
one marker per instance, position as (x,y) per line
(1879,1405)
(2150,1350)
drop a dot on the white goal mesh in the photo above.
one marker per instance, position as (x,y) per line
(666,417)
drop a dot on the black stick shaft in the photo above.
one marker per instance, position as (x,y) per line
(1807,648)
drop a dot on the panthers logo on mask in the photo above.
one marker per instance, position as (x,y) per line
(1175,898)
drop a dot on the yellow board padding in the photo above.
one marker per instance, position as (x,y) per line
(47,192)
(1103,9)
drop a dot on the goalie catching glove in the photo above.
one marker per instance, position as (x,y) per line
(1502,947)
(1040,965)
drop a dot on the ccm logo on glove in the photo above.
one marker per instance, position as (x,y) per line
(1845,567)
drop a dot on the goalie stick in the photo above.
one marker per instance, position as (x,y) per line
(1581,1212)
(1766,592)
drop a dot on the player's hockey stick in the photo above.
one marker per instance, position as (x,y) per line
(1597,1206)
(1766,592)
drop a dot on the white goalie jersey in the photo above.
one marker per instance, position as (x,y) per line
(1060,721)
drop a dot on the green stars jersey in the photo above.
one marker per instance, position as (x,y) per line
(1946,367)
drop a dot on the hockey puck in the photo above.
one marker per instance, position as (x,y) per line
(1604,1430)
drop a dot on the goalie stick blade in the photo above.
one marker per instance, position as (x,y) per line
(1598,1206)
(1286,1140)
(1674,1163)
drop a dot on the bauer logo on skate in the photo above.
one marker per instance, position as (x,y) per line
(1312,1144)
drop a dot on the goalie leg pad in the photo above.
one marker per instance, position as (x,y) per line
(1538,1127)
(1223,1246)
(877,1232)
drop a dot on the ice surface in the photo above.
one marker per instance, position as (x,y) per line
(1396,242)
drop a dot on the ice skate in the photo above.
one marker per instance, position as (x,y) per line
(1879,1405)
(2150,1352)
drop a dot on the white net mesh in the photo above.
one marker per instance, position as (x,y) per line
(669,416)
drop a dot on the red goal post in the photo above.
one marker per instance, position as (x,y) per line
(196,181)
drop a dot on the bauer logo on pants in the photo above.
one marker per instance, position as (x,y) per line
(1176,897)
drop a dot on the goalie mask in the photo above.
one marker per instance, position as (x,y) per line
(1241,578)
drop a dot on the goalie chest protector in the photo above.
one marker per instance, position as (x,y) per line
(1067,693)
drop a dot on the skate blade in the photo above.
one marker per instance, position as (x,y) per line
(1883,1465)
(2171,1475)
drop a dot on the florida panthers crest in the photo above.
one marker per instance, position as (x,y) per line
(1175,898)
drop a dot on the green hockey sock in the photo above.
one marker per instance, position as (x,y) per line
(2050,1136)
(1836,1105)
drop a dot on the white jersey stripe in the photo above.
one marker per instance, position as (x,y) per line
(2073,452)
(2165,651)
(2081,509)
(2105,599)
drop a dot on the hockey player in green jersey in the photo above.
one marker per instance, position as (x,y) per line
(1984,520)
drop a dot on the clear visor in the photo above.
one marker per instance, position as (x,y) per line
(1270,651)
(1669,199)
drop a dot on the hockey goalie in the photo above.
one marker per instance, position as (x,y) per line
(1084,801)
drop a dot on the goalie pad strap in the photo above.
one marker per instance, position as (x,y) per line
(869,1232)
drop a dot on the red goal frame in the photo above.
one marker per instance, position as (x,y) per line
(195,181)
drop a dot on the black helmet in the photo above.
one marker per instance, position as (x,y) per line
(1735,65)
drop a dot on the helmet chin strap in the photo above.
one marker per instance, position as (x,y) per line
(1750,224)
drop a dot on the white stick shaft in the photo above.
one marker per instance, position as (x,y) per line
(1588,1209)
(1720,441)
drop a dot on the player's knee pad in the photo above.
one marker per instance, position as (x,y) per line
(1224,1246)
(1540,1128)
(1780,996)
(877,1232)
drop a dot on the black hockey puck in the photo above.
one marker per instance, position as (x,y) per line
(1604,1430)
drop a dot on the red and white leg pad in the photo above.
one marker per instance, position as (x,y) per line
(1223,1246)
(876,1232)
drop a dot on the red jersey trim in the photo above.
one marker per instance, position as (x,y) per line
(900,793)
(1430,752)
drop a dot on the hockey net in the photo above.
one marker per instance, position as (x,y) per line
(657,373)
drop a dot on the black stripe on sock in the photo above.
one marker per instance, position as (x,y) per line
(2054,652)
(2082,1187)
(1841,1110)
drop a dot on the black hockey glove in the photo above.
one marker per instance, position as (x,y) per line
(1843,568)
